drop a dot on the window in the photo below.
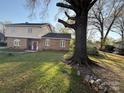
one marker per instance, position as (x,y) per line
(16,42)
(13,29)
(47,41)
(62,43)
(29,30)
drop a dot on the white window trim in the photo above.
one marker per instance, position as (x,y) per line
(29,30)
(62,43)
(47,42)
(16,42)
(13,28)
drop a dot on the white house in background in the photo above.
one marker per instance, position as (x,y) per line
(35,36)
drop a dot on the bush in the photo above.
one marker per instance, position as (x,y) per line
(68,55)
(10,54)
(71,49)
(3,44)
(121,51)
(109,48)
(92,51)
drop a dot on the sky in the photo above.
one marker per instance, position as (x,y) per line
(15,11)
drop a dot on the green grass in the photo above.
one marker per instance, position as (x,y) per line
(40,72)
(10,50)
(115,64)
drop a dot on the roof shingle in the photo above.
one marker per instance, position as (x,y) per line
(58,35)
(17,24)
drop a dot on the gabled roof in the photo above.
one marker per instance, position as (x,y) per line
(26,23)
(57,35)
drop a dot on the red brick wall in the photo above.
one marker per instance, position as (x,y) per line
(22,44)
(54,44)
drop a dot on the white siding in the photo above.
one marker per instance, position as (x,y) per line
(22,32)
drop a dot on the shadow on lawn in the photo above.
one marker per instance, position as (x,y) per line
(34,75)
(113,60)
(76,84)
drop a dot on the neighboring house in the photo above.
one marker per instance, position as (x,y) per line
(119,45)
(35,36)
(2,37)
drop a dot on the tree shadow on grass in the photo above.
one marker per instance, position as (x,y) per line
(24,80)
(75,82)
(116,61)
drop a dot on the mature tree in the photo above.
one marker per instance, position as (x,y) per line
(119,27)
(103,15)
(81,8)
(2,24)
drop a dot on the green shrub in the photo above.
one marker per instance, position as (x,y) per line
(109,48)
(71,49)
(10,54)
(68,55)
(121,51)
(92,51)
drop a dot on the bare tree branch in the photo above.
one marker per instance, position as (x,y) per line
(69,17)
(65,6)
(66,24)
(91,4)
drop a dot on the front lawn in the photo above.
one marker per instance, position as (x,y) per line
(10,50)
(40,72)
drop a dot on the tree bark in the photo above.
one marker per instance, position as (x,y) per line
(102,39)
(80,51)
(122,37)
(101,44)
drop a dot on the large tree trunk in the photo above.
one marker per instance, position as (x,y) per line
(101,43)
(81,8)
(80,51)
(102,37)
(122,37)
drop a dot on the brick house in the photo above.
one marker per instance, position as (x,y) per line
(35,36)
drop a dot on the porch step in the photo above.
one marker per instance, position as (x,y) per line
(30,51)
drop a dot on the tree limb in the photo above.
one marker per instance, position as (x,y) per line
(69,17)
(73,3)
(91,4)
(66,24)
(65,6)
(109,28)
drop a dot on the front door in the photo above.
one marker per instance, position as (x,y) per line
(35,45)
